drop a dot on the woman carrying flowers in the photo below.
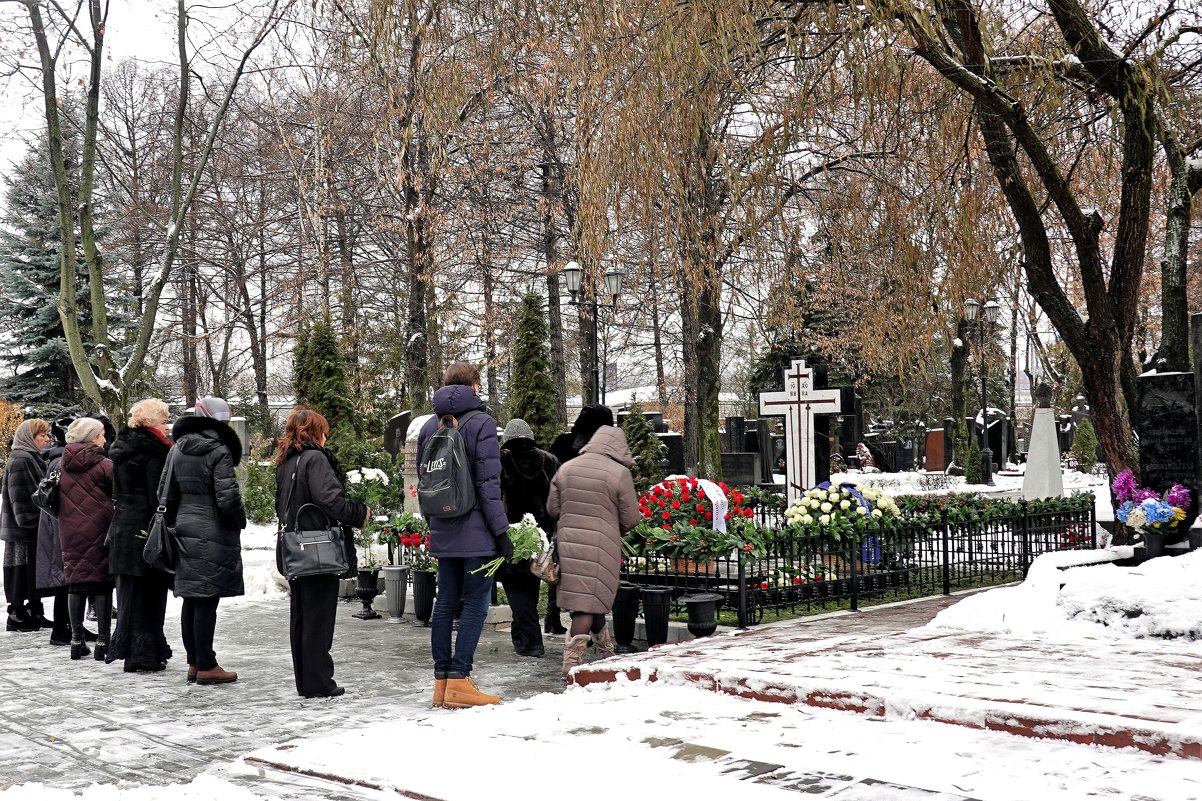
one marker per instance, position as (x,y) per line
(307,473)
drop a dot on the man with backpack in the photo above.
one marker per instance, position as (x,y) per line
(459,491)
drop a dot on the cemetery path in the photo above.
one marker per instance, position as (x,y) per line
(879,664)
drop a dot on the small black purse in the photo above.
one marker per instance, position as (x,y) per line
(47,496)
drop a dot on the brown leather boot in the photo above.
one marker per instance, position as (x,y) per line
(215,676)
(461,692)
(191,674)
(603,643)
(573,652)
(440,690)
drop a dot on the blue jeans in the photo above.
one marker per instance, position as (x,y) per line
(455,581)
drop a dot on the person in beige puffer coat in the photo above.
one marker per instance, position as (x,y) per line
(594,499)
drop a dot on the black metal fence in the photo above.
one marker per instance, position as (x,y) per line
(889,561)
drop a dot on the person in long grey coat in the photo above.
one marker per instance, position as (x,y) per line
(204,505)
(593,497)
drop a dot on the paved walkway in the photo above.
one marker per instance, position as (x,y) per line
(69,724)
(872,663)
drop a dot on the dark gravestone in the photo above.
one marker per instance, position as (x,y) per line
(778,452)
(741,469)
(394,433)
(763,438)
(934,450)
(736,430)
(883,452)
(1168,435)
(903,458)
(997,439)
(1065,430)
(851,425)
(656,419)
(674,458)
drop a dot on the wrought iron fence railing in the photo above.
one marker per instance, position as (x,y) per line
(889,560)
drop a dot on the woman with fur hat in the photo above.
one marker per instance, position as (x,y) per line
(86,492)
(19,524)
(138,457)
(205,506)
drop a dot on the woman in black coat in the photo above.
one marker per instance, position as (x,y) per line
(19,525)
(526,473)
(307,473)
(138,456)
(204,505)
(51,582)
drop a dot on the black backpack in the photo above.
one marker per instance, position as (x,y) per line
(445,484)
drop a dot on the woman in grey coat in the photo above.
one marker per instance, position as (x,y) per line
(593,497)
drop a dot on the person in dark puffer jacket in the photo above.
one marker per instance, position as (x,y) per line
(19,524)
(138,457)
(526,473)
(86,489)
(464,544)
(204,505)
(307,473)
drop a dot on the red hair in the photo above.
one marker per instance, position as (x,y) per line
(302,426)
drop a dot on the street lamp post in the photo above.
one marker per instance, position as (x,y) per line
(972,312)
(573,277)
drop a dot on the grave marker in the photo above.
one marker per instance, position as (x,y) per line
(799,402)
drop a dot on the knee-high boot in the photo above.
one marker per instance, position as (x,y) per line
(75,608)
(103,604)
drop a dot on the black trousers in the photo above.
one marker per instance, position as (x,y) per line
(198,622)
(311,613)
(19,588)
(521,589)
(141,612)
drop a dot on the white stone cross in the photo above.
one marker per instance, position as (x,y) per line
(799,402)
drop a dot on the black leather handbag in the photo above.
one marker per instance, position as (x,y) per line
(47,496)
(310,552)
(160,550)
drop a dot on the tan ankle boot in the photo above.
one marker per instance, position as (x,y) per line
(573,652)
(462,692)
(603,643)
(215,676)
(440,691)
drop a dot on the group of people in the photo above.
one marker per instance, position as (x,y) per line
(92,544)
(582,494)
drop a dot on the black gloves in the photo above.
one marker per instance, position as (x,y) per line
(505,546)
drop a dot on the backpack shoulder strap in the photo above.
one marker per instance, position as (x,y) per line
(463,418)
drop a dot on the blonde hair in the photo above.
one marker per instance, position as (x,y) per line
(38,426)
(147,413)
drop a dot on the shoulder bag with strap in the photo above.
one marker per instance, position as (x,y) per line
(47,496)
(312,552)
(161,550)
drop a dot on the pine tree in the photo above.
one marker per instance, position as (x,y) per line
(973,473)
(647,449)
(1085,446)
(301,380)
(327,390)
(39,375)
(532,390)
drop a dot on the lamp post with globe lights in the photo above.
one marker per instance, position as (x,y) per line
(573,277)
(981,316)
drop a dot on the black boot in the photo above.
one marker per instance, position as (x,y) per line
(79,650)
(551,624)
(101,652)
(18,621)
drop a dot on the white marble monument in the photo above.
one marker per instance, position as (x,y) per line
(799,403)
(1043,478)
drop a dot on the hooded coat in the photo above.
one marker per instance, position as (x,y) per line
(49,572)
(204,505)
(473,534)
(86,494)
(594,499)
(526,473)
(138,457)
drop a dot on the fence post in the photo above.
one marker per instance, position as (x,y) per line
(1025,537)
(855,580)
(742,595)
(1093,520)
(947,562)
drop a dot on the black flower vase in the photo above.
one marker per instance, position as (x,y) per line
(626,609)
(367,587)
(656,601)
(703,612)
(1154,543)
(424,584)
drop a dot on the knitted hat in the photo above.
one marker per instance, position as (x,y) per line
(517,428)
(85,429)
(216,408)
